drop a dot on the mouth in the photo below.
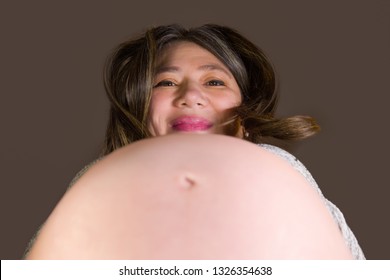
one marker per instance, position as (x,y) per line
(191,123)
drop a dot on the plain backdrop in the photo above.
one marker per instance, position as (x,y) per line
(332,59)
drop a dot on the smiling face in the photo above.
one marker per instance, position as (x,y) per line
(193,92)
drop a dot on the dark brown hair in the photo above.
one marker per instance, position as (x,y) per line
(129,73)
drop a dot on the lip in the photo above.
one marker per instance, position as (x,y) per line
(191,123)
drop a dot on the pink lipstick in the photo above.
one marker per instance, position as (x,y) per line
(191,123)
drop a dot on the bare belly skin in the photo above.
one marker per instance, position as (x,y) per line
(190,197)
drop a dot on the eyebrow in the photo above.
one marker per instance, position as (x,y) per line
(162,69)
(206,67)
(215,67)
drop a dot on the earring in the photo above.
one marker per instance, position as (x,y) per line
(246,133)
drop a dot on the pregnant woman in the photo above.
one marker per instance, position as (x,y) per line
(186,172)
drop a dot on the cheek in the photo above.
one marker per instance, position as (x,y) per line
(156,104)
(158,113)
(225,104)
(232,99)
(152,115)
(161,98)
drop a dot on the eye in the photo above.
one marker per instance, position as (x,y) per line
(165,83)
(215,83)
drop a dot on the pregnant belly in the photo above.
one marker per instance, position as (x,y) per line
(177,197)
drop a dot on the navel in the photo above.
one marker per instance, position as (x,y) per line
(187,181)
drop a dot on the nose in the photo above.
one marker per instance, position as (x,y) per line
(191,95)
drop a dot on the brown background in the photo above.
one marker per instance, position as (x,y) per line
(332,58)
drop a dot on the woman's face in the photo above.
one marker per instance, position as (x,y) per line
(193,92)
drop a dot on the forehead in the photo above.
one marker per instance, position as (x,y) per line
(180,52)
